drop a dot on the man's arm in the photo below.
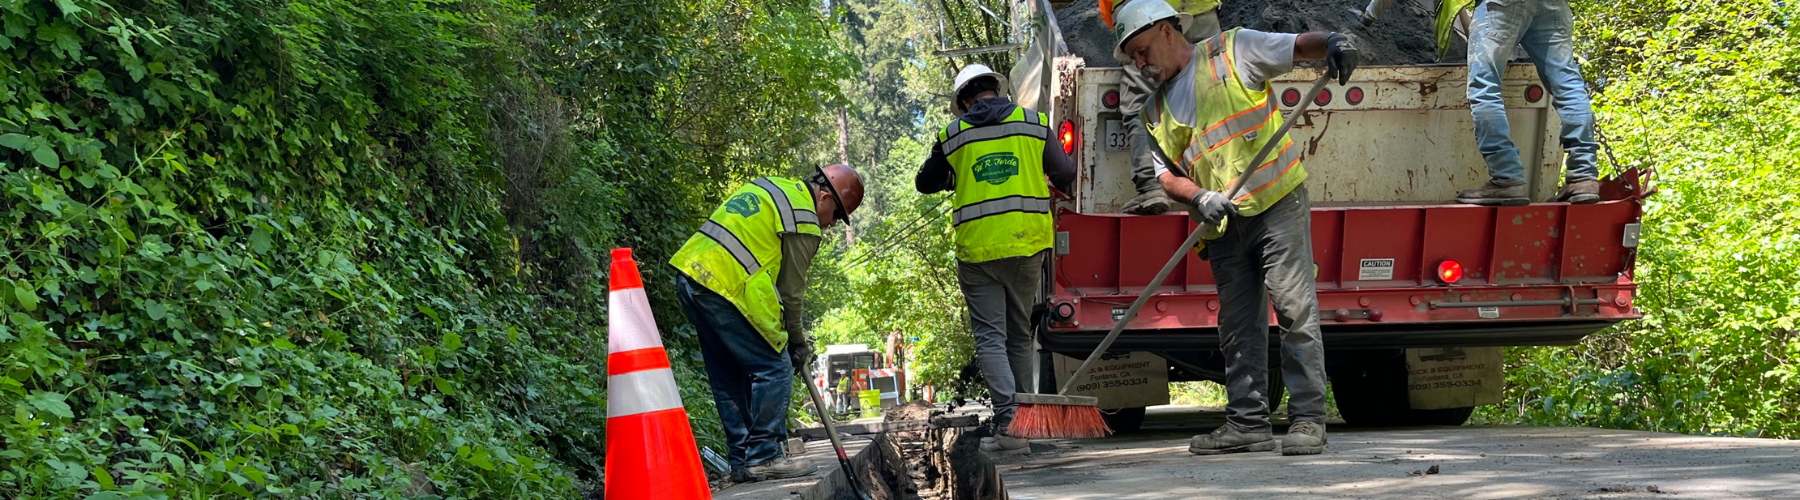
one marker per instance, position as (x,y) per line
(797,251)
(1262,56)
(1058,166)
(1178,187)
(935,175)
(1311,46)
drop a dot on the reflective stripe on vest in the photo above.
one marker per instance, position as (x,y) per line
(737,251)
(732,244)
(1235,122)
(1001,206)
(991,132)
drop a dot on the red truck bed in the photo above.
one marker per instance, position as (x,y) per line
(1542,274)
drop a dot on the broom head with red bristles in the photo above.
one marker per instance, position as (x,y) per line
(1054,416)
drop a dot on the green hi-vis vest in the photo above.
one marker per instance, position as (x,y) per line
(737,252)
(1194,7)
(1002,202)
(1236,122)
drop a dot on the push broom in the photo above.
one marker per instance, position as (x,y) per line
(1065,416)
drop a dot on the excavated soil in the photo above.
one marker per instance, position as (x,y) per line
(1403,35)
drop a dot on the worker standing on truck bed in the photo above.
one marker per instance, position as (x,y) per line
(996,156)
(1199,21)
(743,276)
(1211,115)
(1546,29)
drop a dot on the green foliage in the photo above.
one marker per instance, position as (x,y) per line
(350,249)
(1702,92)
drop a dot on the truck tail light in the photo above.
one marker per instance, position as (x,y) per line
(1323,98)
(1110,99)
(1450,271)
(1290,98)
(1354,95)
(1534,93)
(1067,134)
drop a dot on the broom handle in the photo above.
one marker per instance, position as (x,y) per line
(1194,237)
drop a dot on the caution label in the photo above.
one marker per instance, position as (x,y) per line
(1375,270)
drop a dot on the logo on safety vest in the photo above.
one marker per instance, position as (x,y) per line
(745,205)
(996,168)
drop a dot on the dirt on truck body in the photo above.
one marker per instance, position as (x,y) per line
(1403,35)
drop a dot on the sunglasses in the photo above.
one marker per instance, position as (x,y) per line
(836,201)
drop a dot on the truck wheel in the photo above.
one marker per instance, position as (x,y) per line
(1124,419)
(1369,387)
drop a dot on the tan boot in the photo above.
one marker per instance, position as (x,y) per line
(1005,445)
(1228,439)
(1494,194)
(1152,202)
(1579,192)
(780,468)
(1304,438)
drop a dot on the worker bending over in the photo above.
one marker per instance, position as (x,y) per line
(743,277)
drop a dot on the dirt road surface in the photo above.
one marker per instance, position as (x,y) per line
(1474,463)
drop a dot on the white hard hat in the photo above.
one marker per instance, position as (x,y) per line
(969,74)
(1134,17)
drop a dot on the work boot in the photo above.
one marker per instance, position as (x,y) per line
(1494,194)
(1152,202)
(1304,438)
(780,468)
(1228,439)
(1579,192)
(1005,445)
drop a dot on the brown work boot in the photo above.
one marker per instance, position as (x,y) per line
(1579,192)
(1228,439)
(1005,445)
(1152,202)
(1304,438)
(780,468)
(1494,194)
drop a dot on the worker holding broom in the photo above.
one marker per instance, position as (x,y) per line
(742,279)
(995,156)
(1210,117)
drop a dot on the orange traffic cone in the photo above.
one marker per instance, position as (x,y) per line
(650,451)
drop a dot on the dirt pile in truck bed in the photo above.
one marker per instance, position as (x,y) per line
(1402,36)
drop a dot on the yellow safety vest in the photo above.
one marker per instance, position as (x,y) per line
(1002,202)
(1238,121)
(737,253)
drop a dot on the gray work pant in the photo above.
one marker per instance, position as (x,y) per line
(1000,294)
(1134,91)
(1262,257)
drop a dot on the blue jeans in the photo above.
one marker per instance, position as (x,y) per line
(751,381)
(1544,28)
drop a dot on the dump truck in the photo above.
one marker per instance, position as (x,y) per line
(1417,294)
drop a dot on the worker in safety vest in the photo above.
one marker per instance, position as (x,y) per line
(742,279)
(1212,114)
(996,156)
(1199,20)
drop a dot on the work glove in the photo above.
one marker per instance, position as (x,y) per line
(1340,57)
(1212,207)
(800,353)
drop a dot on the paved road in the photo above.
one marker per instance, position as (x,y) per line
(1475,463)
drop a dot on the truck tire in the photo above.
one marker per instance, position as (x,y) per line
(1124,419)
(1369,387)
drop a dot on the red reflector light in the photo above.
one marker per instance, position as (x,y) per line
(1323,98)
(1355,95)
(1450,271)
(1111,99)
(1067,135)
(1290,97)
(1534,93)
